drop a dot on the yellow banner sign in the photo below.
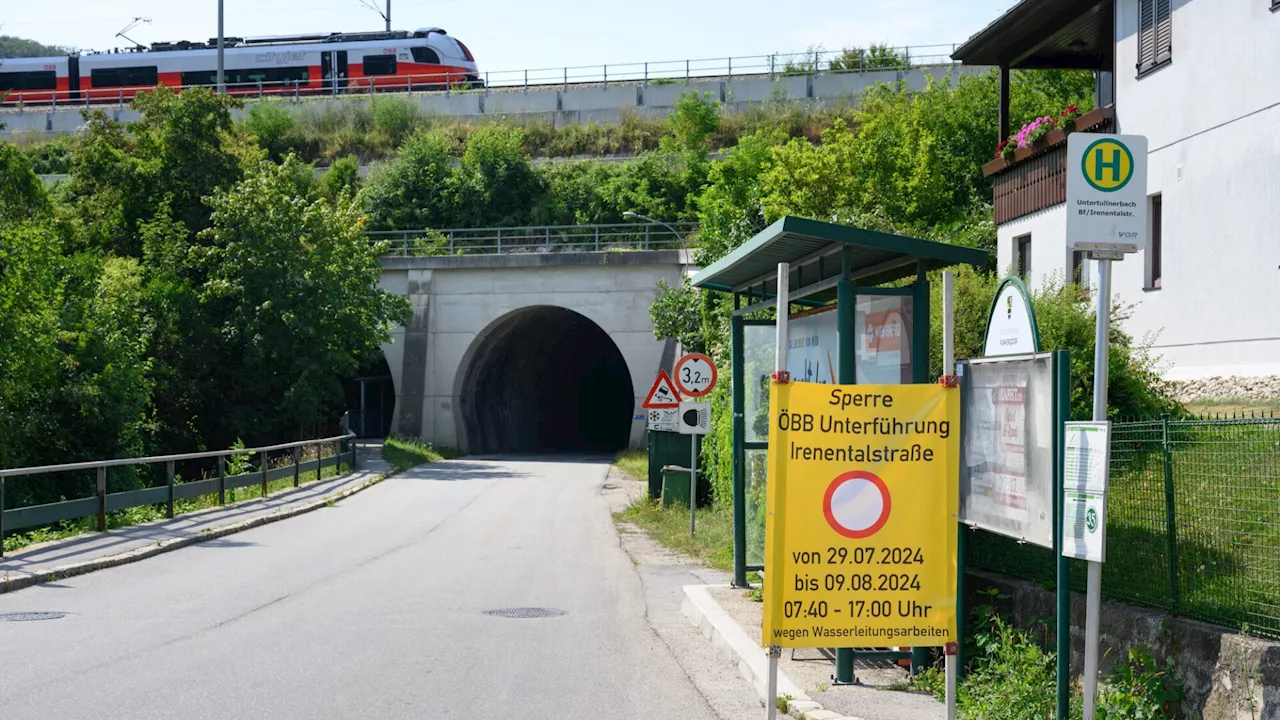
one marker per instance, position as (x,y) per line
(863,497)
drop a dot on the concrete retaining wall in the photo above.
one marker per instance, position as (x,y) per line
(584,104)
(1225,675)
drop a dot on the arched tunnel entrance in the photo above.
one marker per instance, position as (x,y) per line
(546,379)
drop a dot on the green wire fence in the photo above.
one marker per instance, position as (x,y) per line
(1193,523)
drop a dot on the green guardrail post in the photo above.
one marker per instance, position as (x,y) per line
(262,460)
(297,464)
(739,457)
(1061,414)
(168,470)
(222,480)
(102,499)
(1171,527)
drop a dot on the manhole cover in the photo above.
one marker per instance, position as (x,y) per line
(530,612)
(29,616)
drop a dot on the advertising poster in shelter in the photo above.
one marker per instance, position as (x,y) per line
(813,347)
(884,340)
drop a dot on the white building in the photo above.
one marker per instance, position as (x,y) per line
(1199,79)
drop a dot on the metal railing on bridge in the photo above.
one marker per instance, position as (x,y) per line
(144,488)
(812,62)
(537,239)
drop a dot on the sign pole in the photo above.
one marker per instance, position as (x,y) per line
(779,365)
(1093,598)
(952,650)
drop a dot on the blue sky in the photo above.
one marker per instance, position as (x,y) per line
(517,34)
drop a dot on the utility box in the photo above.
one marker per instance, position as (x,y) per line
(675,486)
(666,448)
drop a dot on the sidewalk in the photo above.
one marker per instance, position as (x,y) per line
(86,553)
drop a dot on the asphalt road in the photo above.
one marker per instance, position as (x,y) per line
(373,608)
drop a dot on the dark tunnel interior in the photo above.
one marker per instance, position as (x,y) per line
(547,379)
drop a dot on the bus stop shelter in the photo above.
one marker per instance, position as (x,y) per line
(860,314)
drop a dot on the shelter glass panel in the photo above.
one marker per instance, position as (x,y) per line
(884,326)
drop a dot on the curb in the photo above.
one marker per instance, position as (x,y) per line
(102,563)
(753,664)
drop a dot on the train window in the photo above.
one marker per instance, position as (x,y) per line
(379,64)
(124,77)
(425,55)
(200,77)
(45,80)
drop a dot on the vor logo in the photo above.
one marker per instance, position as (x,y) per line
(1107,165)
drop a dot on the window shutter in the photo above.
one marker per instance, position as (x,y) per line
(1164,30)
(1146,34)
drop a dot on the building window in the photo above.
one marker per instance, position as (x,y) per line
(1022,256)
(379,64)
(1155,242)
(1155,34)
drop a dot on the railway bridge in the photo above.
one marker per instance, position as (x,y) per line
(540,341)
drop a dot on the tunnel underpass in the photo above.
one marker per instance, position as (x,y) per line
(546,379)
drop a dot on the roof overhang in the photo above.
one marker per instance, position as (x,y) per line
(1046,34)
(817,252)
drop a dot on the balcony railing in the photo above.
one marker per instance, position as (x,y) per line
(1036,178)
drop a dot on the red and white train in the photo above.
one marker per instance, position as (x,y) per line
(289,64)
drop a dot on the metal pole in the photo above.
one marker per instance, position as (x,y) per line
(771,706)
(169,505)
(222,84)
(739,453)
(951,675)
(1170,512)
(222,480)
(388,16)
(102,499)
(1093,598)
(693,481)
(1,517)
(297,465)
(263,460)
(779,364)
(846,374)
(1062,367)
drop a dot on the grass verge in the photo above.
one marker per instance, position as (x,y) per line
(711,543)
(634,463)
(403,453)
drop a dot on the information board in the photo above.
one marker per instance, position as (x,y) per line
(860,532)
(1086,465)
(1006,473)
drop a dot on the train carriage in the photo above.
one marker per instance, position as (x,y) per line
(298,64)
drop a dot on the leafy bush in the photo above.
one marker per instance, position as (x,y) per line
(272,126)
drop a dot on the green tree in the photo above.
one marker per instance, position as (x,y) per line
(412,192)
(495,184)
(16,47)
(342,178)
(292,282)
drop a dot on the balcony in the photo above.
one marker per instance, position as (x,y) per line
(1036,177)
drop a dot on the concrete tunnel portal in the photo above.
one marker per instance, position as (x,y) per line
(546,379)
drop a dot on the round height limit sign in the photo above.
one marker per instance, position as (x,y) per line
(695,375)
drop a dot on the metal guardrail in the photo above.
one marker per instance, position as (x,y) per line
(103,502)
(639,73)
(537,239)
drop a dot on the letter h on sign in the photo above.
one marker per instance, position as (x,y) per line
(1113,165)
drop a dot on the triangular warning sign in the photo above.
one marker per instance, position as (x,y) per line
(663,393)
